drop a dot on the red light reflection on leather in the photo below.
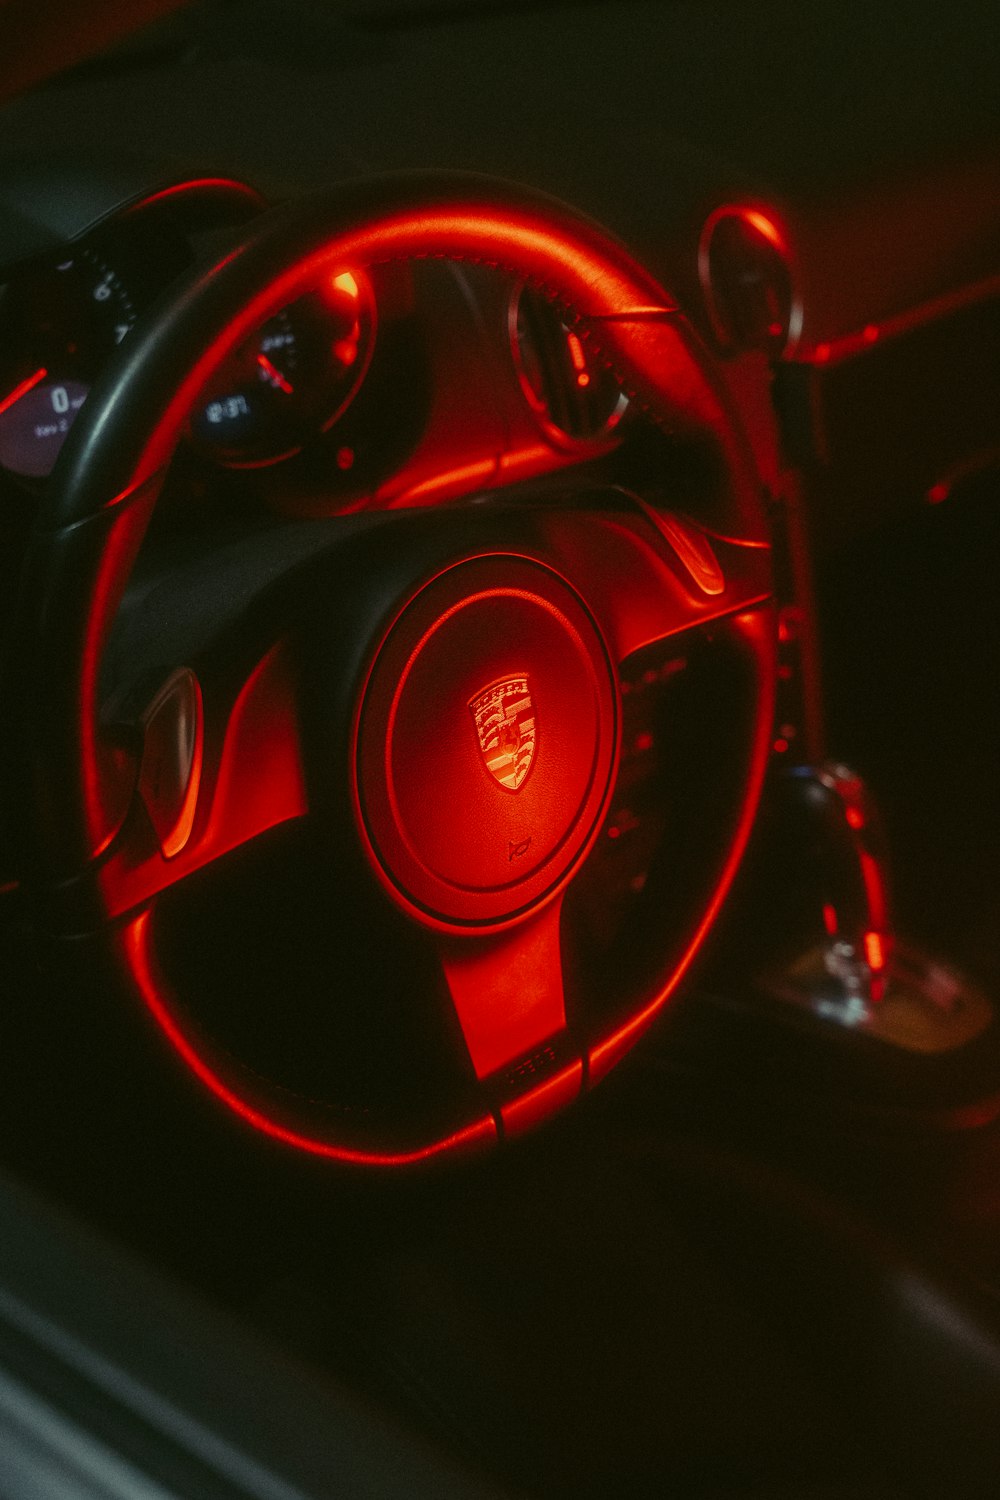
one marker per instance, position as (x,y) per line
(251,783)
(526,462)
(449,482)
(522,1115)
(177,838)
(138,949)
(202,184)
(260,782)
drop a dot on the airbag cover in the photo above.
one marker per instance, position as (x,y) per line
(487,739)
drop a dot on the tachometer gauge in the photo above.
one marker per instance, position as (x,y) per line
(292,378)
(58,325)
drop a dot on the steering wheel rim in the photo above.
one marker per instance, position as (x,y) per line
(83,785)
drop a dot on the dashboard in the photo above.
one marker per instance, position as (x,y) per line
(398,387)
(292,900)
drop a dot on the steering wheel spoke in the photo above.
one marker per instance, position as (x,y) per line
(650,574)
(507,990)
(216,770)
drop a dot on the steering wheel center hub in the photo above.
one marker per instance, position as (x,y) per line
(486,742)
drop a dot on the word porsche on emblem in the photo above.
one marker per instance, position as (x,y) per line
(505,725)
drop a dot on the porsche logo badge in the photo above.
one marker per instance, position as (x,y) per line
(505,725)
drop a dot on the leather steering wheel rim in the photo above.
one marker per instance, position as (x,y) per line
(82,785)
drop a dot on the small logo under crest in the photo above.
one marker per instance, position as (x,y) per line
(505,725)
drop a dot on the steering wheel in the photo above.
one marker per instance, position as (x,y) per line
(525,738)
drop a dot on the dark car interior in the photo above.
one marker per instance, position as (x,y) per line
(499,815)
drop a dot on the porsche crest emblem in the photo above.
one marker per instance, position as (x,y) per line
(505,725)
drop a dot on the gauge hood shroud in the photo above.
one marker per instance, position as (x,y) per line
(617,306)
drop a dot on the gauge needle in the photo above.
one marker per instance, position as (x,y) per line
(22,390)
(273,374)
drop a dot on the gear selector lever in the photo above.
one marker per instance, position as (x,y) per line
(855,973)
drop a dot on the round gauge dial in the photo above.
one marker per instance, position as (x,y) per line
(576,400)
(292,378)
(58,325)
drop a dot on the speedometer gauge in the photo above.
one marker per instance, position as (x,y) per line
(292,378)
(58,325)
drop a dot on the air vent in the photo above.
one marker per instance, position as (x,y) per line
(575,398)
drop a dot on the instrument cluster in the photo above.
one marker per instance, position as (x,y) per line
(474,382)
(64,313)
